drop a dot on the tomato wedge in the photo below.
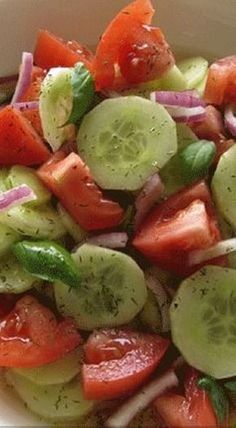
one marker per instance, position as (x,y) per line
(139,52)
(221,82)
(52,51)
(184,222)
(193,410)
(30,335)
(70,180)
(19,142)
(119,361)
(212,128)
(32,94)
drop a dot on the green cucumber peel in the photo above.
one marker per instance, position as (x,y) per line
(82,91)
(48,261)
(217,396)
(196,159)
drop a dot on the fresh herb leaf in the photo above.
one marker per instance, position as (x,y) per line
(83,92)
(196,159)
(48,261)
(217,396)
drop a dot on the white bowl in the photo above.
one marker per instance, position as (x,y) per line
(204,27)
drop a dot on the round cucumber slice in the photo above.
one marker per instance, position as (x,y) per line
(64,402)
(61,371)
(126,139)
(13,279)
(194,70)
(23,175)
(203,317)
(224,186)
(55,106)
(8,237)
(111,293)
(37,222)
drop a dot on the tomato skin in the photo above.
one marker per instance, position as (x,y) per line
(120,44)
(184,222)
(193,410)
(146,59)
(32,94)
(221,82)
(19,142)
(111,368)
(52,51)
(111,344)
(70,180)
(30,335)
(212,128)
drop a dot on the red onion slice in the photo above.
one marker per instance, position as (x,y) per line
(161,296)
(109,240)
(29,105)
(16,196)
(187,115)
(222,248)
(188,99)
(230,119)
(150,194)
(24,79)
(137,403)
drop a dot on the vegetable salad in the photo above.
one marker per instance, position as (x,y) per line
(117,231)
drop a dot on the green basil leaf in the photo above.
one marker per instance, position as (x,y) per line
(83,92)
(48,261)
(217,396)
(196,159)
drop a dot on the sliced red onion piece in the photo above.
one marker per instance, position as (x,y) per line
(230,119)
(188,99)
(123,416)
(24,79)
(150,194)
(222,248)
(16,196)
(110,240)
(187,115)
(29,105)
(161,296)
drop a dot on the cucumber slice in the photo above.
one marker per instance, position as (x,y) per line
(38,222)
(203,316)
(111,293)
(174,80)
(73,228)
(124,140)
(171,173)
(55,106)
(8,237)
(224,186)
(23,175)
(3,179)
(194,70)
(13,279)
(202,85)
(64,402)
(151,315)
(61,371)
